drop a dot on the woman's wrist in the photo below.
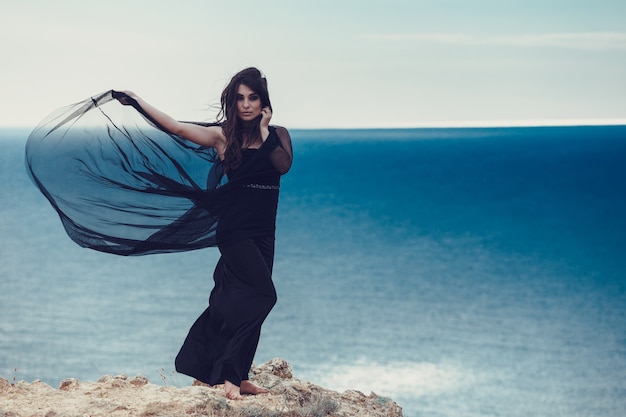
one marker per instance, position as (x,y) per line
(265,132)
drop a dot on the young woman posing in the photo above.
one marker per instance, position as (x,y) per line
(222,342)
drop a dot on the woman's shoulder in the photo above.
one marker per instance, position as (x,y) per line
(217,132)
(204,134)
(280,130)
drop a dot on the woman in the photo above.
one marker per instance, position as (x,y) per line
(222,342)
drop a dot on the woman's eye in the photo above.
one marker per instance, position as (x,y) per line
(254,98)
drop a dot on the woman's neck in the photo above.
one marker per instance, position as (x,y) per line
(250,133)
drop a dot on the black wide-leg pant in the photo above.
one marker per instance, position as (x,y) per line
(222,342)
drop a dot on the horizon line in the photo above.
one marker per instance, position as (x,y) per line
(481,124)
(450,124)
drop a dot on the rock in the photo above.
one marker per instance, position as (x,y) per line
(69,384)
(279,367)
(139,381)
(124,397)
(4,385)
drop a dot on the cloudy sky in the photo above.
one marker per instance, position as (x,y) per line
(329,63)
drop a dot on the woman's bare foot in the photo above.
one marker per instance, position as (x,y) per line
(248,387)
(232,391)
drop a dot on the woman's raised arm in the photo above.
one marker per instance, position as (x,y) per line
(211,136)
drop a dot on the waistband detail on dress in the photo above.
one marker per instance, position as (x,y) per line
(262,186)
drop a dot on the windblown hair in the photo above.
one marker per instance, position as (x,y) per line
(238,133)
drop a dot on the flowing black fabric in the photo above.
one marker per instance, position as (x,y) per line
(123,185)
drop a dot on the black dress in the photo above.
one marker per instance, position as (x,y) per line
(222,342)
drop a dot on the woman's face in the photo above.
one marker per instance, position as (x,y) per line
(248,103)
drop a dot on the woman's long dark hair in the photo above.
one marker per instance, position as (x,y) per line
(235,130)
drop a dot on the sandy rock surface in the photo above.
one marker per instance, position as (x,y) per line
(135,396)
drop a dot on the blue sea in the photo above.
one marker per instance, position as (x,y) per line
(461,272)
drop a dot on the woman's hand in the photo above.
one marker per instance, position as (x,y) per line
(127,98)
(266,116)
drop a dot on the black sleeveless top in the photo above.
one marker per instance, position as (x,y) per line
(251,206)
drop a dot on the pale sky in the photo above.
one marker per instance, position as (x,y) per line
(329,63)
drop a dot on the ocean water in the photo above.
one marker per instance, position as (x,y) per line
(461,272)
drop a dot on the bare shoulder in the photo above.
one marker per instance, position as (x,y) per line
(211,136)
(217,133)
(213,130)
(218,138)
